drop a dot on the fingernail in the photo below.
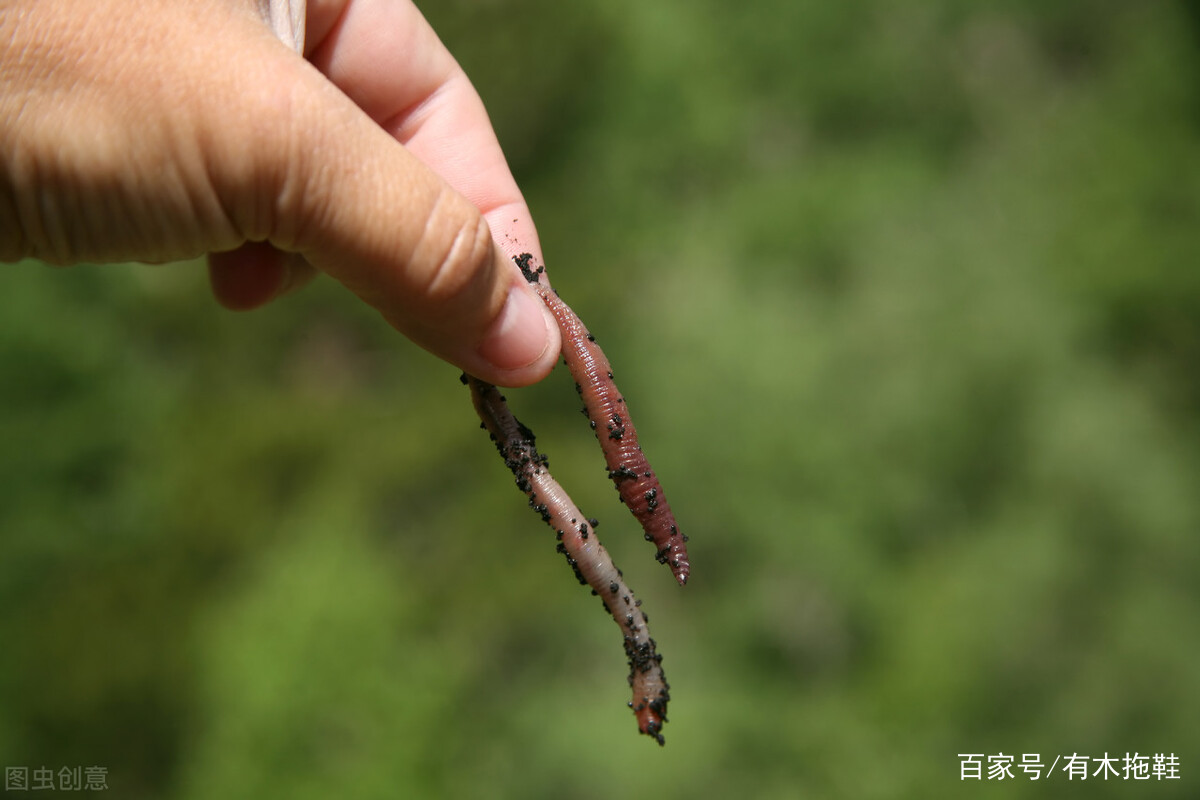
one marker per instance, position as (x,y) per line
(521,335)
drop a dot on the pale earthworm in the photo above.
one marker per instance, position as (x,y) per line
(609,418)
(578,542)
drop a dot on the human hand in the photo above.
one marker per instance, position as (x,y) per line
(157,130)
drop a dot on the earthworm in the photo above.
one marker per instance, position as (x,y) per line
(587,557)
(609,418)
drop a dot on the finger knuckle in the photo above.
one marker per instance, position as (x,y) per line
(456,249)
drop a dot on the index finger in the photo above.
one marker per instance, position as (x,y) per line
(385,57)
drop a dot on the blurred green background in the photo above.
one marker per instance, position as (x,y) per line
(906,299)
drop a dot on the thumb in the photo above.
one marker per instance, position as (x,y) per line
(327,183)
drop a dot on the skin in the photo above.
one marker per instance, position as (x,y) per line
(284,139)
(161,130)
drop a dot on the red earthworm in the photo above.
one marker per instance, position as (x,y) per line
(609,417)
(587,557)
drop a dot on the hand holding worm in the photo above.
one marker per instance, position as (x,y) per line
(281,138)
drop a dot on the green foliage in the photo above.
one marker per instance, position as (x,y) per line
(906,302)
